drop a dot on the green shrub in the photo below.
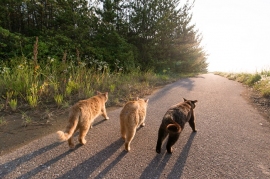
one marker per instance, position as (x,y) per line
(2,121)
(253,79)
(58,99)
(13,104)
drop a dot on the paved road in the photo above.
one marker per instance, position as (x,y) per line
(233,141)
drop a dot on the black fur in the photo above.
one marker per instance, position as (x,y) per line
(173,123)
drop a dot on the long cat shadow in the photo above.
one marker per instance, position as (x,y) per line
(111,165)
(186,83)
(47,164)
(99,122)
(8,167)
(157,165)
(178,168)
(86,168)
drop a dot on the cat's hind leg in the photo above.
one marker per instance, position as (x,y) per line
(129,137)
(71,142)
(171,141)
(162,134)
(83,131)
(122,129)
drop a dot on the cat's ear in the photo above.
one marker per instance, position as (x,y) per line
(185,99)
(98,92)
(193,103)
(106,94)
(137,98)
(146,100)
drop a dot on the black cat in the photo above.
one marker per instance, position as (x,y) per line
(174,121)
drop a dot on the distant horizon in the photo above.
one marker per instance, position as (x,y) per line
(243,70)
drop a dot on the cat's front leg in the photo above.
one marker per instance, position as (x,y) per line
(192,123)
(104,114)
(142,123)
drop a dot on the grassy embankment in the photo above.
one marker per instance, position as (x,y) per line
(28,85)
(258,81)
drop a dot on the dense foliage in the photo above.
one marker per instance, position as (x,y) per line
(123,35)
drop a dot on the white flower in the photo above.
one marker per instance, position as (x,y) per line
(20,66)
(82,64)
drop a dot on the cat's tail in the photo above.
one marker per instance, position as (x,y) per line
(70,129)
(174,128)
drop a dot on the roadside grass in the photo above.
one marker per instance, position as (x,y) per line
(260,81)
(58,83)
(25,84)
(2,121)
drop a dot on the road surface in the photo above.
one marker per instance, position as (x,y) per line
(233,141)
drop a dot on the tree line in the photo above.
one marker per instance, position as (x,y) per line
(123,34)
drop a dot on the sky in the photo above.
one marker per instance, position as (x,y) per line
(236,34)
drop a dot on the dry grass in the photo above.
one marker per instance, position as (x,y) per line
(259,81)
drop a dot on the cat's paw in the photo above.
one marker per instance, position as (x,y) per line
(169,150)
(127,147)
(158,148)
(107,118)
(82,141)
(71,146)
(143,124)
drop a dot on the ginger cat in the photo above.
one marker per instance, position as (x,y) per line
(131,117)
(82,115)
(174,121)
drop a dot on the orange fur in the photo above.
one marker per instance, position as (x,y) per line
(131,117)
(81,117)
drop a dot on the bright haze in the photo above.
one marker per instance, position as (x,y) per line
(236,34)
